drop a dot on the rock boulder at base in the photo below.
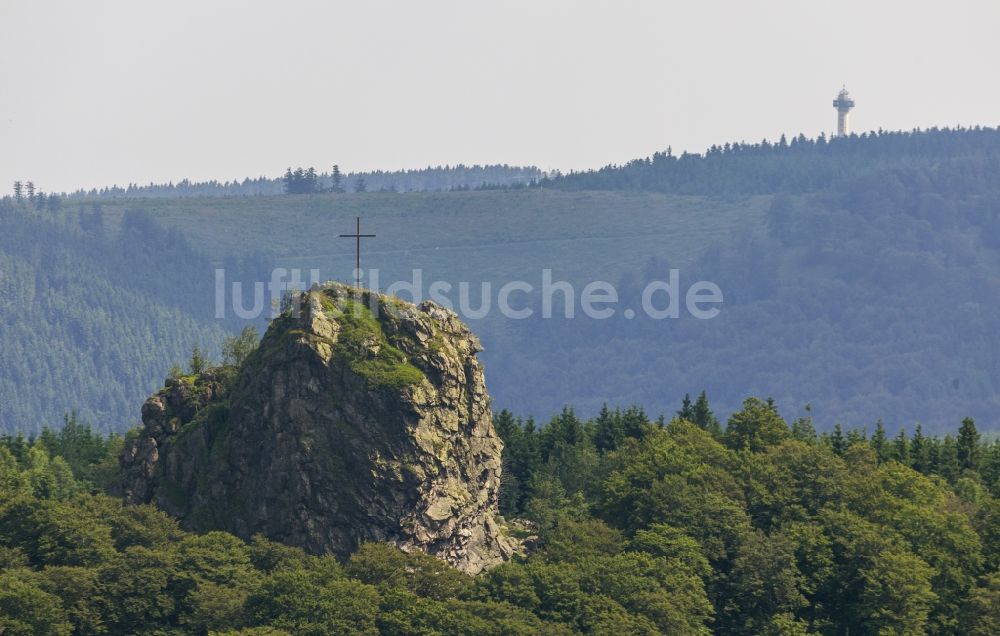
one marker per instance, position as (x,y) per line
(359,418)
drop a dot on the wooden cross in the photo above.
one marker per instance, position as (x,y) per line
(357,253)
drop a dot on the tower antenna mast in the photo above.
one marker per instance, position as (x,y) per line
(843,104)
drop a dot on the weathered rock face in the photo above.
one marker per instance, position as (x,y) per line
(361,418)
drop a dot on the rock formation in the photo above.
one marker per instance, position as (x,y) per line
(359,418)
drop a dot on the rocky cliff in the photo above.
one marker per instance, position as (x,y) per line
(358,418)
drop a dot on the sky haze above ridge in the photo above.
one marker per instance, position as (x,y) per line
(112,92)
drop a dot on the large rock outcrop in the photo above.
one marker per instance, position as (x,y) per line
(358,418)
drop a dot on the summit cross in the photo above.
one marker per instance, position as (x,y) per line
(357,250)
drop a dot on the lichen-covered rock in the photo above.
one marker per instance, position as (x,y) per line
(359,418)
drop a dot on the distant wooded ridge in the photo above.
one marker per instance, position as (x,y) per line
(799,165)
(430,179)
(792,165)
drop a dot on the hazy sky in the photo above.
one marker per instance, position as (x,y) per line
(96,93)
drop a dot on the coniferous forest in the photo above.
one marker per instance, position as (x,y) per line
(859,276)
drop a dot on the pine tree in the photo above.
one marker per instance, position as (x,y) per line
(837,442)
(337,180)
(512,482)
(704,417)
(633,421)
(608,429)
(879,443)
(360,185)
(968,445)
(686,412)
(310,183)
(18,191)
(900,448)
(803,429)
(947,464)
(30,190)
(198,361)
(856,436)
(919,451)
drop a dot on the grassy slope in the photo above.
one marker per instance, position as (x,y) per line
(469,236)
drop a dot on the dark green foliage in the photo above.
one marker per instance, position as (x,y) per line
(778,535)
(521,460)
(786,534)
(967,445)
(26,609)
(384,566)
(659,530)
(900,450)
(703,416)
(879,442)
(85,564)
(756,427)
(588,579)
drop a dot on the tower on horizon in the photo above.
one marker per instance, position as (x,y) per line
(843,104)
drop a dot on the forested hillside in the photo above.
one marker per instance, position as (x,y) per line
(860,276)
(92,316)
(693,527)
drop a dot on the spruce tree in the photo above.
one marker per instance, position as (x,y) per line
(704,417)
(803,430)
(919,451)
(310,183)
(856,436)
(336,179)
(837,442)
(879,442)
(608,430)
(900,448)
(686,412)
(968,445)
(633,420)
(199,362)
(947,464)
